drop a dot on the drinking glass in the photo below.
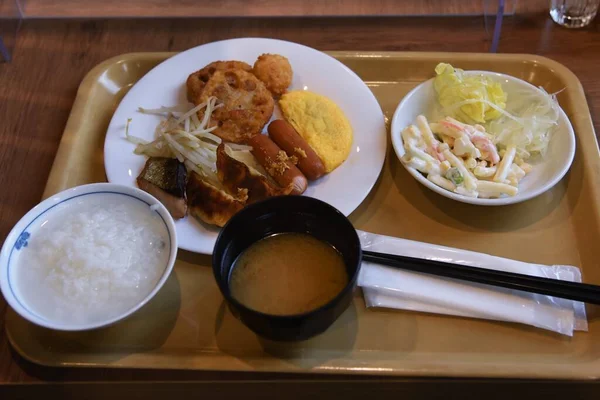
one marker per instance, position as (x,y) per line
(573,13)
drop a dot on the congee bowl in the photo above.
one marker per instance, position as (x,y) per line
(19,241)
(287,214)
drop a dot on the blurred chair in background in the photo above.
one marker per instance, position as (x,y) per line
(10,20)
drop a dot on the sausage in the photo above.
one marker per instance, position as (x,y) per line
(277,163)
(286,137)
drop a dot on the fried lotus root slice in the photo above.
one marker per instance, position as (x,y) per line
(196,81)
(210,204)
(236,175)
(247,105)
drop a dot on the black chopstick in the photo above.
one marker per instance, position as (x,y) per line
(551,287)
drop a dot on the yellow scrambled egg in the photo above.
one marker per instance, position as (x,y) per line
(321,123)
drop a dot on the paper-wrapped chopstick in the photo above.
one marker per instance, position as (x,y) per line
(393,288)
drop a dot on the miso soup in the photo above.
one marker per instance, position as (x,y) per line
(286,274)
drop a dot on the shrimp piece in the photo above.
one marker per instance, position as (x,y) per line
(479,138)
(453,124)
(487,148)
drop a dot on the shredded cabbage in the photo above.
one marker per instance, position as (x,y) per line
(525,121)
(527,124)
(468,97)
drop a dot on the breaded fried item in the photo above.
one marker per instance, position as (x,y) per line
(274,71)
(196,81)
(247,104)
(211,204)
(236,175)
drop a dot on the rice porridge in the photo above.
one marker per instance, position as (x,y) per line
(92,258)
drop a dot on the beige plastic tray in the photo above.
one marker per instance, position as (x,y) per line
(187,325)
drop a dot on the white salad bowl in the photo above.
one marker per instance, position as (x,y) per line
(30,224)
(546,172)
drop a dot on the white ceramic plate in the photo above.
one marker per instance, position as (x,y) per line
(345,188)
(546,172)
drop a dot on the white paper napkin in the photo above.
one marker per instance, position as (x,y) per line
(393,288)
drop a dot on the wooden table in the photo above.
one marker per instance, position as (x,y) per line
(38,88)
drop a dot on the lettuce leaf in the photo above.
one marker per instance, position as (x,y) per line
(467,97)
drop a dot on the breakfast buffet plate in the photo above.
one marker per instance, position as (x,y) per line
(165,85)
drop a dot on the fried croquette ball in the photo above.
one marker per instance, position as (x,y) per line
(274,71)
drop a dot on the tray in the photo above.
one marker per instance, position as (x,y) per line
(187,325)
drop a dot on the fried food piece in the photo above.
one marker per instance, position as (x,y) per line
(274,71)
(247,104)
(236,175)
(211,204)
(165,179)
(196,81)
